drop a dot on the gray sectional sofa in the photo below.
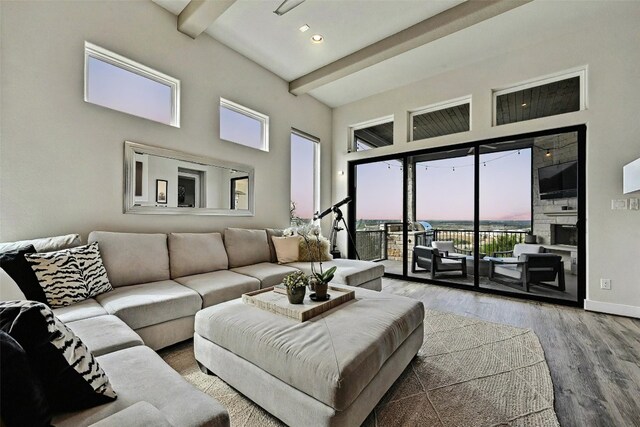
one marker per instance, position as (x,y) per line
(159,283)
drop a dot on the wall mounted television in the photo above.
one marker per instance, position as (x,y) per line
(558,181)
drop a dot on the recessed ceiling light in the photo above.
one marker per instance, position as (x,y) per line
(317,38)
(304,28)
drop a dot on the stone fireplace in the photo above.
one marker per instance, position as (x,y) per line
(564,234)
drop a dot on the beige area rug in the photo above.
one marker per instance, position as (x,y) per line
(468,373)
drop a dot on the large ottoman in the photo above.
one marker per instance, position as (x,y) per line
(329,371)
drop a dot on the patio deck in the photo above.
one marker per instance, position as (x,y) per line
(570,293)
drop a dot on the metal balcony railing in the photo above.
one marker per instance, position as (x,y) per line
(372,245)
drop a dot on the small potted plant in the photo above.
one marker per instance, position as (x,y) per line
(296,284)
(320,282)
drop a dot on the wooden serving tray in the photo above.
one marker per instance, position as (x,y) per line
(269,300)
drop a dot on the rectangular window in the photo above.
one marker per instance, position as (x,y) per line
(305,177)
(541,98)
(244,126)
(118,83)
(440,119)
(372,134)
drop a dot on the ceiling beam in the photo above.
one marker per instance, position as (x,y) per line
(443,24)
(200,14)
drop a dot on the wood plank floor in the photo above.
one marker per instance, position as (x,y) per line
(594,358)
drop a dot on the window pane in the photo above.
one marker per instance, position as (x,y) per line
(541,101)
(126,91)
(241,129)
(373,136)
(441,122)
(303,171)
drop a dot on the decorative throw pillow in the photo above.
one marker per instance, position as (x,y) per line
(60,277)
(286,248)
(93,271)
(71,376)
(315,249)
(23,402)
(19,269)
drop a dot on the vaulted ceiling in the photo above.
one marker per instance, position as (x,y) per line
(373,46)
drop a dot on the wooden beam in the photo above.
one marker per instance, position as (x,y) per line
(200,14)
(443,24)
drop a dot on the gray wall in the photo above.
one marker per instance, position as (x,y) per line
(61,159)
(603,44)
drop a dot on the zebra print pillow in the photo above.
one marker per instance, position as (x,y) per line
(60,276)
(71,376)
(93,271)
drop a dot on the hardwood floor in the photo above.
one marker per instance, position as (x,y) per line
(594,358)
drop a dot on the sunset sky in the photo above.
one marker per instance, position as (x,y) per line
(445,194)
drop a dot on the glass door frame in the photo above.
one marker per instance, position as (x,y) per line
(581,131)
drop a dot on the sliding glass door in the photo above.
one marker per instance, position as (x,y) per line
(379,199)
(503,216)
(440,216)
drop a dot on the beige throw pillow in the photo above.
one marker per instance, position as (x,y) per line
(287,248)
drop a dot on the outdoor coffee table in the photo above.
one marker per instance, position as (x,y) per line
(329,370)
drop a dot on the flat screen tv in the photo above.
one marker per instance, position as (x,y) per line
(558,181)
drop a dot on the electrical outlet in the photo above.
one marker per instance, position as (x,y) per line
(605,284)
(634,204)
(619,204)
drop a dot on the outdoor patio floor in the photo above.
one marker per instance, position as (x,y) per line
(570,293)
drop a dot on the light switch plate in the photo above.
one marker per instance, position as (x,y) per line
(634,204)
(619,204)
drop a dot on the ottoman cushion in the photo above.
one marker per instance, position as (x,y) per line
(317,357)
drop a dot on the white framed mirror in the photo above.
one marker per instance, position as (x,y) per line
(162,181)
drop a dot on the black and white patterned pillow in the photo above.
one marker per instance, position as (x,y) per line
(60,276)
(71,376)
(93,271)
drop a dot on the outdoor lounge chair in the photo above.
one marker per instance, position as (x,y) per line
(448,248)
(432,260)
(530,269)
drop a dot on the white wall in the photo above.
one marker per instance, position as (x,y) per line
(61,159)
(608,46)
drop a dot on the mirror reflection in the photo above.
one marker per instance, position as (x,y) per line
(161,180)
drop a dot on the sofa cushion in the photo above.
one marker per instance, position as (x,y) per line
(60,277)
(139,374)
(71,377)
(195,253)
(246,247)
(14,264)
(141,414)
(349,271)
(219,286)
(273,232)
(342,364)
(81,310)
(150,303)
(132,258)
(105,334)
(45,244)
(268,274)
